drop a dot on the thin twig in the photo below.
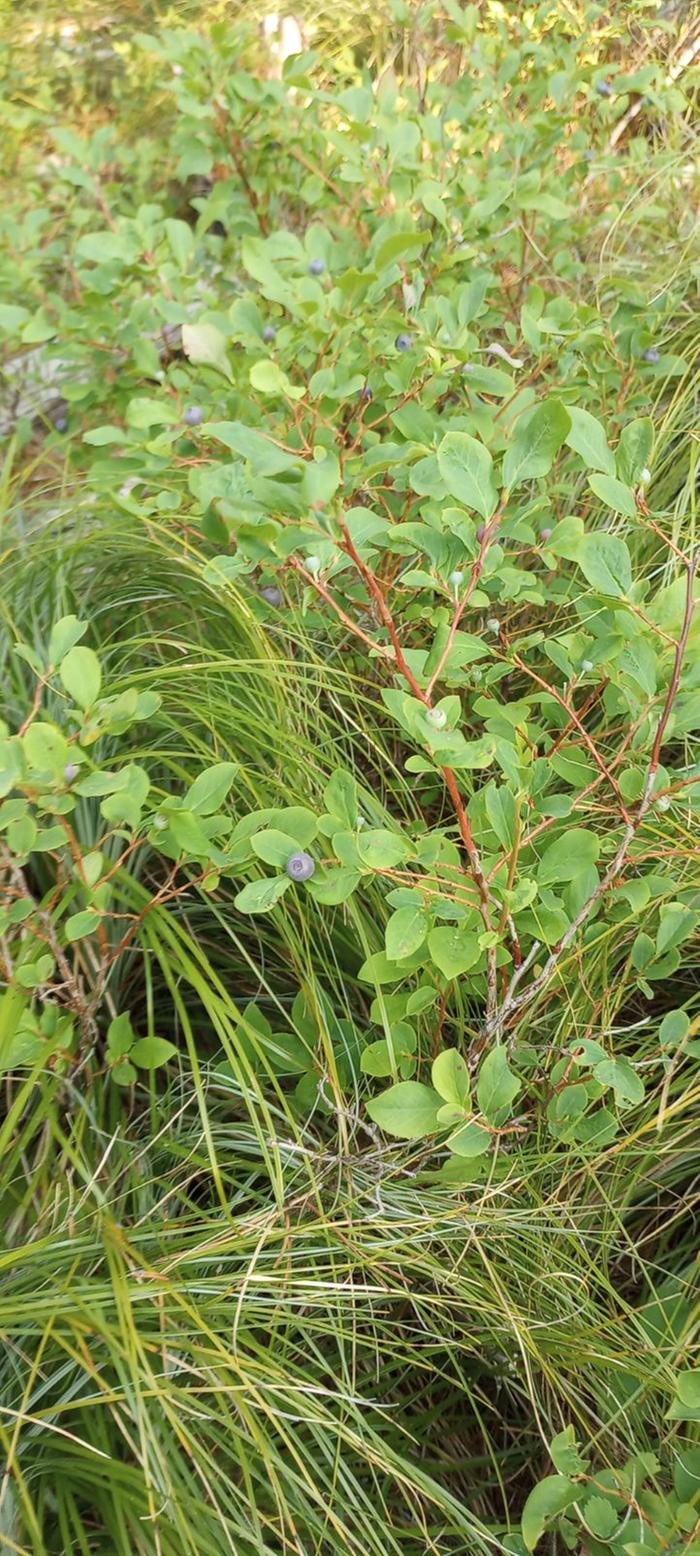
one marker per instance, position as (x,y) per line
(512,1006)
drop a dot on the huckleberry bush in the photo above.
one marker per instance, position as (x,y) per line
(478,535)
(626,1510)
(63,909)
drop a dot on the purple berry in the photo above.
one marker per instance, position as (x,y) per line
(300,867)
(269,332)
(604,89)
(194,415)
(70,771)
(317,267)
(366,393)
(272,594)
(403,342)
(546,534)
(61,424)
(652,354)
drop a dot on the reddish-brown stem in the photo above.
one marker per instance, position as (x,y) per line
(377,594)
(325,594)
(575,719)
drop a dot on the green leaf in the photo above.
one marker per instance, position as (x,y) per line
(209,790)
(45,749)
(99,437)
(120,1035)
(635,449)
(81,924)
(619,1073)
(454,950)
(143,413)
(382,850)
(674,1028)
(12,317)
(268,378)
(565,1455)
(340,797)
(332,887)
(399,245)
(64,634)
(538,438)
(600,1518)
(32,974)
(550,1497)
(21,834)
(408,1110)
(676,923)
(261,896)
(587,438)
(205,346)
(149,1053)
(614,494)
(569,856)
(181,239)
(497,1086)
(450,1077)
(405,932)
(48,839)
(688,1388)
(273,846)
(605,564)
(470,1140)
(466,468)
(123,1073)
(81,675)
(499,804)
(187,833)
(377,1057)
(104,247)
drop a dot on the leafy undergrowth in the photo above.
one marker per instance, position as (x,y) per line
(349,1024)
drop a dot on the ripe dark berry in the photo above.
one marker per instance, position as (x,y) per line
(194,415)
(61,424)
(272,594)
(317,267)
(70,771)
(652,354)
(300,867)
(604,89)
(269,332)
(403,342)
(366,393)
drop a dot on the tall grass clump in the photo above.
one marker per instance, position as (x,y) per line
(349,1015)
